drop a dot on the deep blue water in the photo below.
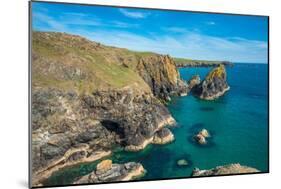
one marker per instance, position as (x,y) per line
(238,124)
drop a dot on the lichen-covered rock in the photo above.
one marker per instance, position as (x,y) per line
(225,170)
(117,172)
(214,85)
(161,74)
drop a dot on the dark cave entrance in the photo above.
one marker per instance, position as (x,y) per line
(114,126)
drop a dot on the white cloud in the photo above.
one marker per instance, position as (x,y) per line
(176,29)
(189,45)
(133,14)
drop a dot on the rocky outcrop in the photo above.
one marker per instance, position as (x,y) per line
(134,117)
(193,82)
(161,74)
(224,170)
(88,98)
(214,85)
(163,136)
(108,172)
(69,129)
(201,136)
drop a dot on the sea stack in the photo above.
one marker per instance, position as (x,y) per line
(214,85)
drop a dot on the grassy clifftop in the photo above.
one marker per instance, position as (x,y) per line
(184,62)
(71,62)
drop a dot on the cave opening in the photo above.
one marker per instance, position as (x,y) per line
(114,126)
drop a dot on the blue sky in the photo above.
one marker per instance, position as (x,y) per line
(180,34)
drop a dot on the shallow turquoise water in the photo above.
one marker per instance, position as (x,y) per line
(238,124)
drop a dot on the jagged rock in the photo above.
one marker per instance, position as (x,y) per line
(163,136)
(214,85)
(201,136)
(117,172)
(161,74)
(224,170)
(182,162)
(194,81)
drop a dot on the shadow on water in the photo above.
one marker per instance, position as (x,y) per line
(206,109)
(210,142)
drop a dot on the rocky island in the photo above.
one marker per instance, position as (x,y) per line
(214,85)
(88,98)
(224,170)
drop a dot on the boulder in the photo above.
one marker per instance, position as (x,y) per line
(201,136)
(204,133)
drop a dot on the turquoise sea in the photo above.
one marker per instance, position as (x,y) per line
(237,122)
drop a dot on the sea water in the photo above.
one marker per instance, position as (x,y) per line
(237,123)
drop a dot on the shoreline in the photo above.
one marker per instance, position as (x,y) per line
(167,122)
(219,94)
(41,176)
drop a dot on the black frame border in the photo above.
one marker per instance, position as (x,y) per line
(132,7)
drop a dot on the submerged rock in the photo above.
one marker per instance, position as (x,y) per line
(114,172)
(224,170)
(214,85)
(182,162)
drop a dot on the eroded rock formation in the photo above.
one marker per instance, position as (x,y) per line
(214,85)
(87,98)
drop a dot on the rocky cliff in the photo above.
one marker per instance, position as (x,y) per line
(87,98)
(160,73)
(214,85)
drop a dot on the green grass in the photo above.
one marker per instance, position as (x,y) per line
(101,68)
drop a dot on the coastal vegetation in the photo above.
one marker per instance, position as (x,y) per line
(89,99)
(185,62)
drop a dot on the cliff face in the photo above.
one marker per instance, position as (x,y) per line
(87,98)
(161,74)
(214,85)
